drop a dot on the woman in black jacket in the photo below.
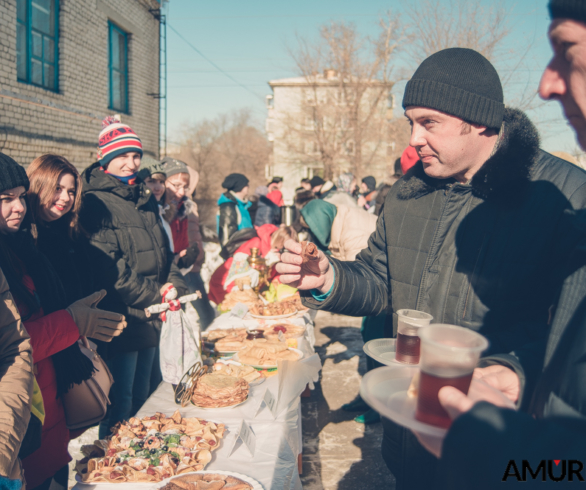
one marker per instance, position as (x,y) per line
(55,199)
(130,258)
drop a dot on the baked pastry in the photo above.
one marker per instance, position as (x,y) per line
(309,252)
(261,352)
(219,390)
(245,372)
(206,481)
(150,449)
(248,297)
(288,330)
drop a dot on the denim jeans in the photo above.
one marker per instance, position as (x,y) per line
(203,307)
(132,375)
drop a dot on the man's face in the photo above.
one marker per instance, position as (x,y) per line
(125,164)
(446,146)
(564,78)
(363,188)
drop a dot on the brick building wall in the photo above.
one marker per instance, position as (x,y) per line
(34,120)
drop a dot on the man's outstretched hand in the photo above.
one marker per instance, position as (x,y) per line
(316,274)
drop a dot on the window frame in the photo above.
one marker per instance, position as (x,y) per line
(111,29)
(28,25)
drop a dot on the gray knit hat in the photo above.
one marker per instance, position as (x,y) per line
(568,9)
(460,82)
(12,174)
(173,166)
(150,166)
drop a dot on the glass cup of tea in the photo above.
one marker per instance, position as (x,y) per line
(410,321)
(449,355)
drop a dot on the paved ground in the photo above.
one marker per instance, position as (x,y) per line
(339,453)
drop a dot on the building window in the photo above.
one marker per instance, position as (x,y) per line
(118,68)
(37,39)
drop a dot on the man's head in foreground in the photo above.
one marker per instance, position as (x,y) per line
(564,78)
(454,103)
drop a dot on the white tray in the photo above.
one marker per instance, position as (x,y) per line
(383,351)
(251,481)
(297,351)
(385,390)
(275,317)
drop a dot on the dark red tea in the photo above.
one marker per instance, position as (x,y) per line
(429,409)
(408,348)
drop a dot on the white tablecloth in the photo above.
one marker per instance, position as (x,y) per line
(278,441)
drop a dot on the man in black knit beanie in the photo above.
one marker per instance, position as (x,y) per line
(471,234)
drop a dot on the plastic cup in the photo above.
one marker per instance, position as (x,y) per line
(449,355)
(410,321)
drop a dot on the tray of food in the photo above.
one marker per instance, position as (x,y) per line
(272,311)
(234,368)
(287,330)
(264,354)
(246,296)
(211,480)
(228,341)
(150,449)
(217,390)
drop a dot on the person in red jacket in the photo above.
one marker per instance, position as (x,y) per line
(269,238)
(53,326)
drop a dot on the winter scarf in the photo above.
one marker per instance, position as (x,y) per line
(71,365)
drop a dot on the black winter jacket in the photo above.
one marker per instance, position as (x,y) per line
(129,254)
(487,255)
(554,428)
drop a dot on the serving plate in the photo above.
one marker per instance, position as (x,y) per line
(245,478)
(270,366)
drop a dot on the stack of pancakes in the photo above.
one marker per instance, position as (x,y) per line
(219,390)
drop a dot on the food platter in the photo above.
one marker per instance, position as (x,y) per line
(223,408)
(245,478)
(274,317)
(271,366)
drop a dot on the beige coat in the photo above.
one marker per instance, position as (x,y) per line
(16,383)
(351,230)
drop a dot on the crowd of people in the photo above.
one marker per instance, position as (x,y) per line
(486,231)
(476,226)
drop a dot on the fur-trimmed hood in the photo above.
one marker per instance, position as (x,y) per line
(504,174)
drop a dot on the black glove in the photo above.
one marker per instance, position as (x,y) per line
(189,258)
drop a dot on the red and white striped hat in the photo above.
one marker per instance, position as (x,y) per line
(115,139)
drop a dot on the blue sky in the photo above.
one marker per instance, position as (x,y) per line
(249,39)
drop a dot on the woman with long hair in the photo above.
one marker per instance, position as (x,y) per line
(53,323)
(54,197)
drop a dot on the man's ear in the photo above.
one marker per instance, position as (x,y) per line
(483,130)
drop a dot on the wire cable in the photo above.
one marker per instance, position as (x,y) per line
(214,65)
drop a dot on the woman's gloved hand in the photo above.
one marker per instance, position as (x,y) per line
(94,323)
(188,257)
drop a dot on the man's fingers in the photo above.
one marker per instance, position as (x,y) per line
(454,401)
(290,258)
(283,268)
(290,279)
(293,246)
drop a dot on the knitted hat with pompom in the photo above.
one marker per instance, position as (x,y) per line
(116,139)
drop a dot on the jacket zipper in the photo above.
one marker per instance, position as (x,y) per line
(432,250)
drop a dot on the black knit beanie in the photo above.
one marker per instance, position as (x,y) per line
(235,182)
(370,182)
(568,9)
(460,82)
(316,180)
(11,174)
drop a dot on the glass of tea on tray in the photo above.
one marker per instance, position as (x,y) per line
(449,355)
(410,321)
